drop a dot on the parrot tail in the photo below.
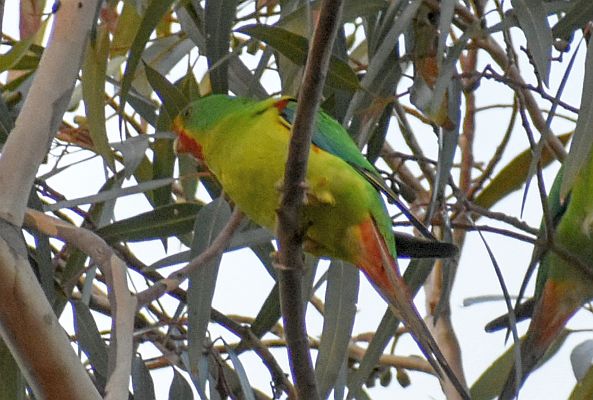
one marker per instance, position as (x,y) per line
(381,268)
(550,315)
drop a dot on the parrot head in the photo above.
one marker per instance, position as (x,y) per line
(198,122)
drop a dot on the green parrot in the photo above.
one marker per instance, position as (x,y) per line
(244,143)
(562,284)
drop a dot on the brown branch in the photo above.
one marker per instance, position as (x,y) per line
(123,304)
(290,232)
(357,353)
(28,324)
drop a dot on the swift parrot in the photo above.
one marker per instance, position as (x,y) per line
(244,143)
(564,281)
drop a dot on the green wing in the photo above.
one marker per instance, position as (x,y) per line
(330,136)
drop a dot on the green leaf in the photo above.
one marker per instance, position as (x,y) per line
(126,30)
(133,151)
(153,15)
(12,383)
(447,145)
(169,220)
(295,48)
(180,389)
(512,176)
(534,24)
(269,313)
(340,310)
(583,390)
(141,380)
(246,389)
(580,148)
(489,384)
(163,162)
(580,359)
(42,254)
(218,22)
(579,14)
(296,21)
(172,98)
(89,338)
(94,71)
(383,71)
(202,281)
(19,50)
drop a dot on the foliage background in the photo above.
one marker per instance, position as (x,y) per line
(147,36)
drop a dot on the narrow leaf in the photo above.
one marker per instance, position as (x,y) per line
(534,24)
(580,148)
(110,194)
(202,282)
(180,389)
(89,338)
(489,384)
(172,98)
(162,222)
(583,390)
(153,15)
(580,359)
(579,14)
(218,22)
(512,177)
(141,380)
(295,48)
(94,70)
(241,374)
(340,310)
(12,383)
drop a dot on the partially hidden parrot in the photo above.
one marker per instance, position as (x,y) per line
(244,143)
(563,284)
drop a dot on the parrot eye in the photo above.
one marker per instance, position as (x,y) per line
(186,113)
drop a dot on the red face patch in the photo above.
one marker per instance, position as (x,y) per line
(185,144)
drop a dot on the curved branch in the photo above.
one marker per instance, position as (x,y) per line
(123,304)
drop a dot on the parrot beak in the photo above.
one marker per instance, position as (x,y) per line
(184,143)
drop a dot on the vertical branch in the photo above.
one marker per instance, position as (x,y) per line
(28,324)
(290,232)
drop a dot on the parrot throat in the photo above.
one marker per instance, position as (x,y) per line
(185,144)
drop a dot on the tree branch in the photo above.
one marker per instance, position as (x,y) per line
(28,324)
(290,232)
(123,304)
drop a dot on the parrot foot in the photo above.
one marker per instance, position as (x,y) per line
(310,197)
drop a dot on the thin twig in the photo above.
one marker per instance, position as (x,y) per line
(176,278)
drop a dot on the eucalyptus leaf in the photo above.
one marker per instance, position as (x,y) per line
(142,380)
(340,310)
(580,148)
(202,281)
(534,24)
(580,359)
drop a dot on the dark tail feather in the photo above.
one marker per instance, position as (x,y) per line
(522,312)
(409,246)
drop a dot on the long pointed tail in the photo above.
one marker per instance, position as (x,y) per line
(382,271)
(550,314)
